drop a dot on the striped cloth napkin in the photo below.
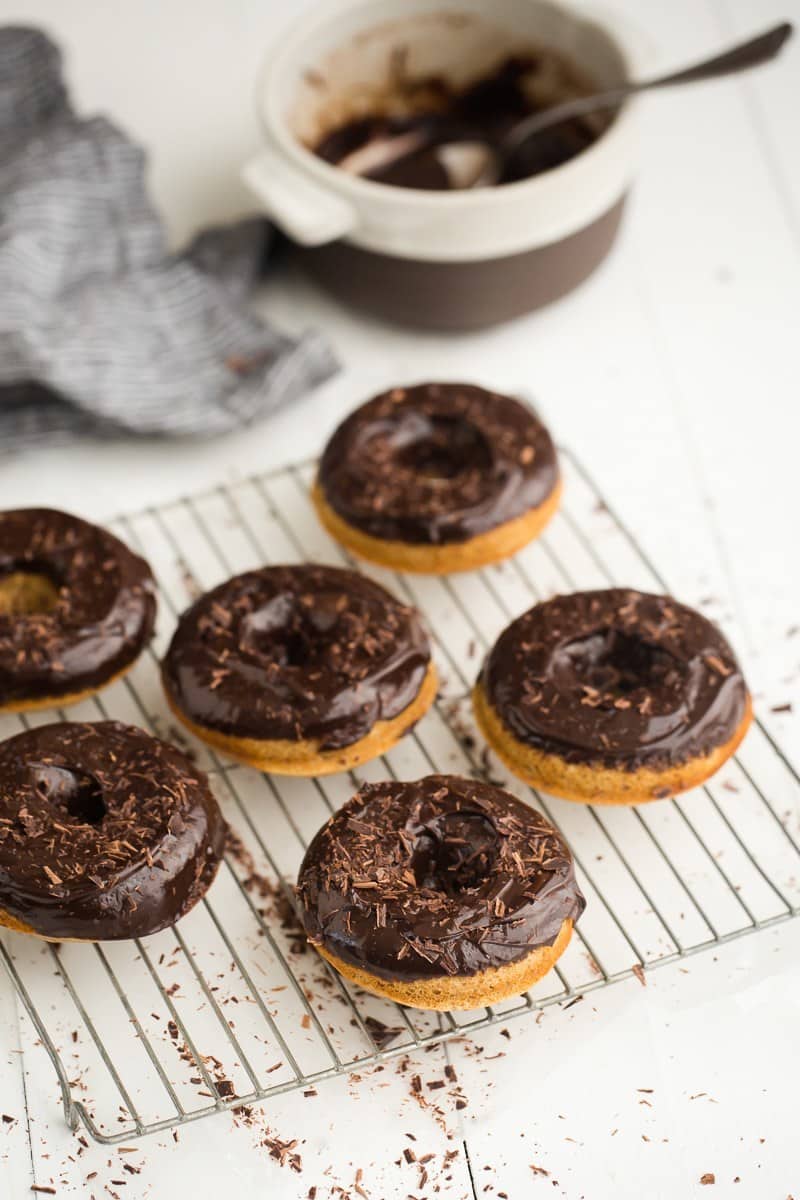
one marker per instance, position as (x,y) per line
(102,330)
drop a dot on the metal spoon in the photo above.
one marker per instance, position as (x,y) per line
(476,162)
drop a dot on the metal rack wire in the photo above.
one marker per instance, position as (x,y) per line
(230,1007)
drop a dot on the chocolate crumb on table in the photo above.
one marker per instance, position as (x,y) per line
(283,1152)
(381,1034)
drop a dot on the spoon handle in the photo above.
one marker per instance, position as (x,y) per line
(752,53)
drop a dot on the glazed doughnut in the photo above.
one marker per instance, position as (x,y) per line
(437,478)
(299,670)
(443,893)
(613,697)
(105,832)
(76,608)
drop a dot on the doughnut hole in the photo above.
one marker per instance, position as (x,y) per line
(27,590)
(301,631)
(614,663)
(78,795)
(443,448)
(455,853)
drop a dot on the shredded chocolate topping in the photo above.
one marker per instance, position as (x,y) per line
(105,832)
(439,462)
(444,876)
(76,605)
(616,677)
(296,652)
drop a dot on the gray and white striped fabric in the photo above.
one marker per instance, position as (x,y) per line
(102,331)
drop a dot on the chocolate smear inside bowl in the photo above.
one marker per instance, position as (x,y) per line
(398,138)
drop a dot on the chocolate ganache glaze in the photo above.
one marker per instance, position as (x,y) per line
(297,652)
(437,463)
(76,605)
(443,876)
(105,832)
(618,677)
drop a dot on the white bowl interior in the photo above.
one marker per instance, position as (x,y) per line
(347,61)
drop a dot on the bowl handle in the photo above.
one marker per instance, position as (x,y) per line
(307,212)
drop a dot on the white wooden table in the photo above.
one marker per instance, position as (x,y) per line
(673,373)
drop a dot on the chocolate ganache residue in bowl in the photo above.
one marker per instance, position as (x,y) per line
(485,109)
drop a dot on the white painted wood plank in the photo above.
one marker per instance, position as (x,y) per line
(638,1092)
(362,1124)
(771,95)
(15,1153)
(715,263)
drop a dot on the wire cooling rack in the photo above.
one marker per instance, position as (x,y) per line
(231,1007)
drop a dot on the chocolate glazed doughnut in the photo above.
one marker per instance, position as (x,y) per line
(437,478)
(443,893)
(300,670)
(105,832)
(613,697)
(76,608)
